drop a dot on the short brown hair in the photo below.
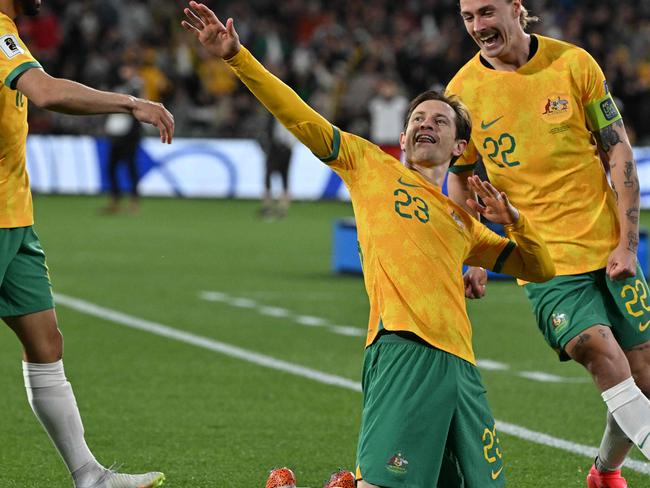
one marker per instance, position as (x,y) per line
(463,122)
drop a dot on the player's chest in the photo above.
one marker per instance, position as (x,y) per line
(526,123)
(400,208)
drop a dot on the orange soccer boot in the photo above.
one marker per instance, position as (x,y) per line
(281,478)
(606,479)
(341,479)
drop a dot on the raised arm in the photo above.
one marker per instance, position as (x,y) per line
(613,141)
(527,256)
(222,41)
(61,95)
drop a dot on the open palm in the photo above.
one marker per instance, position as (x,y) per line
(496,206)
(219,40)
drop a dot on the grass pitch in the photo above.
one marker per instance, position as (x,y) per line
(212,420)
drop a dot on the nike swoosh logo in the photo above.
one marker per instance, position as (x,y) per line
(489,124)
(399,180)
(495,474)
(643,326)
(640,444)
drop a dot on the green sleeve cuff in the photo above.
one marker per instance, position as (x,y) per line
(602,113)
(503,256)
(336,146)
(461,169)
(12,77)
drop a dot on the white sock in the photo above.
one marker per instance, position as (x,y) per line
(631,410)
(613,448)
(52,400)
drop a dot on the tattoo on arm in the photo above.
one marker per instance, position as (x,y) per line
(632,241)
(615,192)
(633,215)
(631,179)
(609,137)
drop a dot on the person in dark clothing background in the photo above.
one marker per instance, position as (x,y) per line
(278,149)
(124,134)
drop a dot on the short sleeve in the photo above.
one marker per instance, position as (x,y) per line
(600,108)
(15,58)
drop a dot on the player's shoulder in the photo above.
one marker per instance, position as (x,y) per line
(556,48)
(7,25)
(349,145)
(466,72)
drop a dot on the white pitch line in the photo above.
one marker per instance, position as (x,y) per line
(310,321)
(550,378)
(547,440)
(490,365)
(204,342)
(278,312)
(302,371)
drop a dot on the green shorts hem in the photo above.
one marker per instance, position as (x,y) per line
(27,309)
(567,305)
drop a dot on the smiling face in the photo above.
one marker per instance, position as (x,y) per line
(429,139)
(494,25)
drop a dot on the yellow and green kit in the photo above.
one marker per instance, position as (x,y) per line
(24,280)
(413,241)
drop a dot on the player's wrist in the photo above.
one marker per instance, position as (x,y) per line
(513,216)
(131,103)
(233,53)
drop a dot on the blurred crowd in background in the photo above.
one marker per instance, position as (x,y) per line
(358,62)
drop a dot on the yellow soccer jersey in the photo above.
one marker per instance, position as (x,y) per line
(531,128)
(413,240)
(15,196)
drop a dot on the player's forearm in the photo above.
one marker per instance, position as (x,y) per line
(70,97)
(313,130)
(613,141)
(625,183)
(530,259)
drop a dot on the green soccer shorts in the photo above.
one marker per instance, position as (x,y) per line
(25,285)
(567,305)
(426,421)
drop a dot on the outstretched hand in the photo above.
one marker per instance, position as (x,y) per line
(219,40)
(157,115)
(496,206)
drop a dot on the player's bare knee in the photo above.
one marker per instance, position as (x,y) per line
(45,348)
(598,351)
